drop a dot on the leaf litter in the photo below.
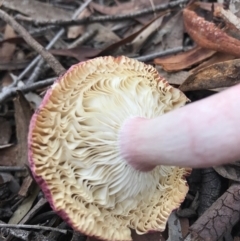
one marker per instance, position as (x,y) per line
(207,62)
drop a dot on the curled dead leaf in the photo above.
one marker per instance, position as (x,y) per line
(9,156)
(23,114)
(216,58)
(224,74)
(184,60)
(229,171)
(208,35)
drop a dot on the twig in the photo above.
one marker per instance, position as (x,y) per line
(11,92)
(50,59)
(42,31)
(8,93)
(39,68)
(34,61)
(149,57)
(12,169)
(84,38)
(23,226)
(106,18)
(55,235)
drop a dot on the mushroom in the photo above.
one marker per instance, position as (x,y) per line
(205,133)
(75,154)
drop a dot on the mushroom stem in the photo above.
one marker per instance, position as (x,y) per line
(202,134)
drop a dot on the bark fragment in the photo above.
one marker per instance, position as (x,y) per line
(219,218)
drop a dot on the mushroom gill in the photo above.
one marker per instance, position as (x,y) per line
(74,153)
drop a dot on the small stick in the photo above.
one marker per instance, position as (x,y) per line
(42,31)
(36,72)
(84,38)
(106,18)
(38,58)
(23,226)
(149,57)
(11,92)
(12,169)
(50,59)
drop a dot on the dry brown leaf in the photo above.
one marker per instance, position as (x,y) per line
(5,81)
(224,74)
(75,31)
(130,7)
(37,10)
(184,226)
(173,36)
(167,28)
(125,8)
(5,130)
(157,236)
(23,114)
(137,43)
(119,47)
(173,78)
(229,171)
(104,36)
(7,49)
(216,58)
(9,156)
(207,35)
(170,35)
(27,184)
(184,60)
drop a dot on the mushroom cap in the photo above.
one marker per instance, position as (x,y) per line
(74,153)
